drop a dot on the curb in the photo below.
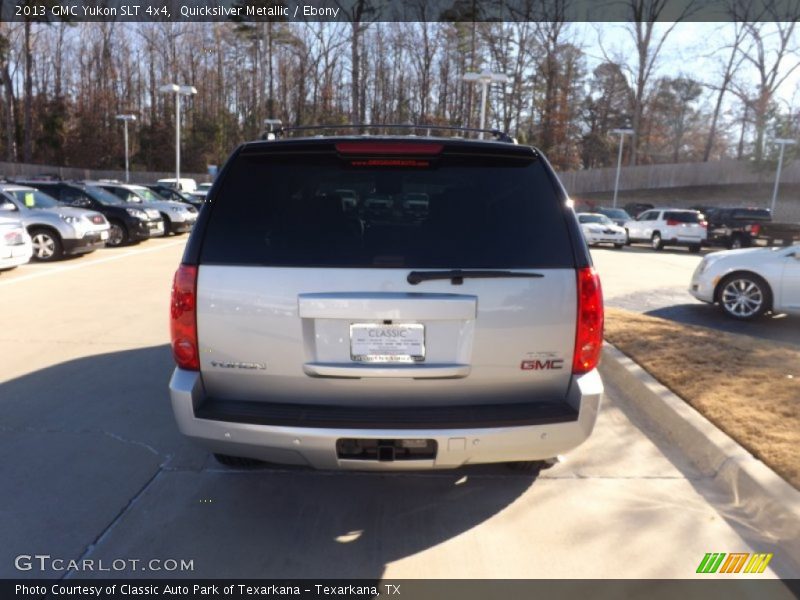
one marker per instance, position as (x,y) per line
(772,505)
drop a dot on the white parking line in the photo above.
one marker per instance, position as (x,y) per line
(89,264)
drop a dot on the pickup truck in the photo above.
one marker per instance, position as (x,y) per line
(744,227)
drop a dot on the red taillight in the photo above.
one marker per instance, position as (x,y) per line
(183,318)
(589,330)
(390,148)
(14,237)
(704,224)
(755,229)
(672,222)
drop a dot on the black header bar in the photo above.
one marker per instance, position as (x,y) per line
(396,10)
(730,588)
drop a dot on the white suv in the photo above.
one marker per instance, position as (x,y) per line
(382,337)
(662,227)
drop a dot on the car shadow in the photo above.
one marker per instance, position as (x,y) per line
(99,471)
(777,328)
(643,248)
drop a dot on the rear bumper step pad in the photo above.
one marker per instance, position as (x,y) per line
(390,417)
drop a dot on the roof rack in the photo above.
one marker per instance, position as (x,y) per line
(281,131)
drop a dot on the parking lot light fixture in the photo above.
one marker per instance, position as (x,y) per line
(621,133)
(485,78)
(125,119)
(178,90)
(782,142)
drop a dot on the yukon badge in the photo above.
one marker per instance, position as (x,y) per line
(248,366)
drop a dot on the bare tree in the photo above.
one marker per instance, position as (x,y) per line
(731,65)
(644,14)
(359,14)
(8,92)
(772,45)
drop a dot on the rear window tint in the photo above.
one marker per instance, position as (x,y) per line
(321,210)
(682,217)
(756,214)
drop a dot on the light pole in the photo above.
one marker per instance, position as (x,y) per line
(178,90)
(485,78)
(622,133)
(125,119)
(782,142)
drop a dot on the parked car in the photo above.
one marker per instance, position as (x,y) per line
(349,199)
(634,209)
(745,227)
(416,205)
(668,227)
(470,336)
(198,195)
(599,229)
(178,217)
(378,205)
(185,184)
(56,230)
(128,222)
(747,283)
(170,193)
(16,247)
(618,215)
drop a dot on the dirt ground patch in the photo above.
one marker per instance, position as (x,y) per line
(747,387)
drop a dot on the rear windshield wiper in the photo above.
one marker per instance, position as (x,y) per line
(456,276)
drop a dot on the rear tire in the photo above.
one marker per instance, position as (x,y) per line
(695,248)
(237,461)
(736,242)
(618,246)
(47,245)
(656,242)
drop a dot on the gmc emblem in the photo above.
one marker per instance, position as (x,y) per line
(541,365)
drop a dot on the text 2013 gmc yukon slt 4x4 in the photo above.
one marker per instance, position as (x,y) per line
(310,328)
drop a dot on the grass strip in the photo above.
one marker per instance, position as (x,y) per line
(749,388)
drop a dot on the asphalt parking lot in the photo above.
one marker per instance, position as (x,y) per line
(95,467)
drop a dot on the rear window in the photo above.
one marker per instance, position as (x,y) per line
(102,196)
(593,219)
(755,214)
(615,213)
(322,210)
(682,217)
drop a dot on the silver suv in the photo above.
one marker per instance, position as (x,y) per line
(308,334)
(55,229)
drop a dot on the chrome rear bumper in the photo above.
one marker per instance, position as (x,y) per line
(316,447)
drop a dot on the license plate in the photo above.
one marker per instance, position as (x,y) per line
(103,235)
(377,343)
(778,242)
(157,227)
